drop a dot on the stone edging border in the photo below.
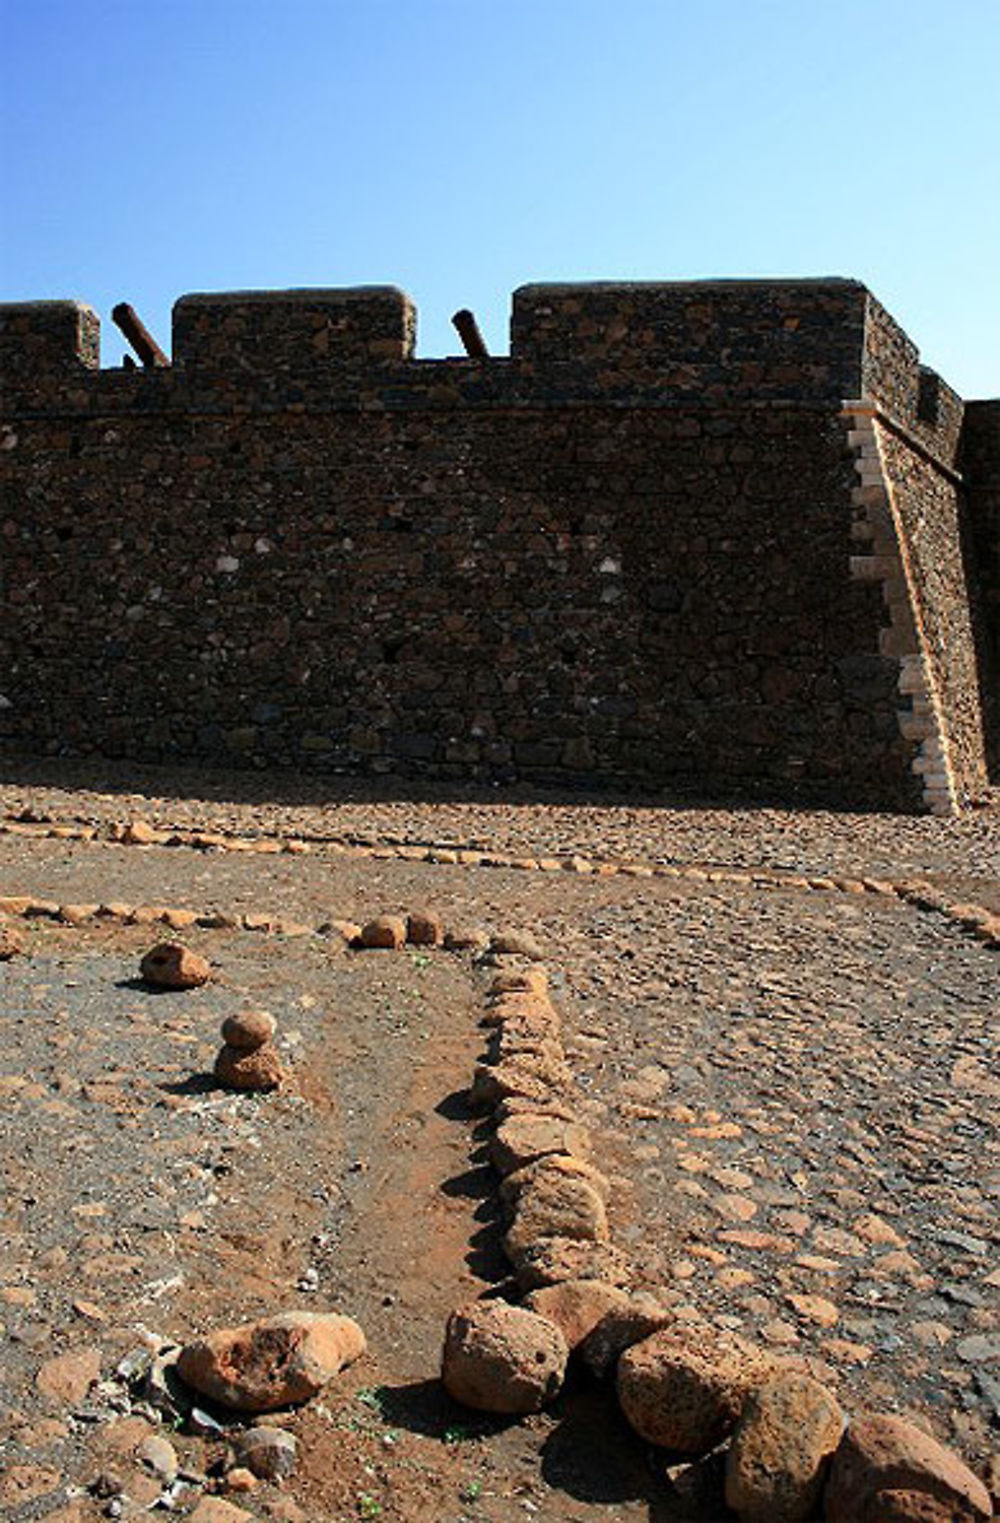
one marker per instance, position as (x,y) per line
(975,920)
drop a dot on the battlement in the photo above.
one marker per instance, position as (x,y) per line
(789,338)
(649,343)
(43,341)
(294,332)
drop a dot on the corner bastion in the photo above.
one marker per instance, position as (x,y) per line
(718,536)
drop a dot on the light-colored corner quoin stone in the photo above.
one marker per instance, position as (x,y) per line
(883,559)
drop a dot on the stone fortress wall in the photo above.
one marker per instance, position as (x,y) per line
(726,536)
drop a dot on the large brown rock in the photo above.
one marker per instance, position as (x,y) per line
(249,1069)
(141,833)
(577,1307)
(620,1328)
(516,944)
(777,1460)
(523,1138)
(532,1032)
(556,1205)
(274,1363)
(516,1039)
(552,1109)
(68,1377)
(685,1389)
(525,1005)
(550,1260)
(885,1465)
(424,929)
(551,1166)
(171,965)
(533,1075)
(385,931)
(502,1358)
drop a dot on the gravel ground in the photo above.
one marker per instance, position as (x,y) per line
(795,1092)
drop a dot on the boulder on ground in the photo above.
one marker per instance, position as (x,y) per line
(276,1362)
(556,1205)
(268,1453)
(66,1378)
(884,1465)
(552,1166)
(781,1448)
(424,929)
(386,931)
(517,1105)
(550,1260)
(533,1075)
(141,833)
(520,981)
(522,1039)
(685,1389)
(171,965)
(516,944)
(523,1138)
(79,914)
(502,1358)
(576,1307)
(526,1006)
(619,1328)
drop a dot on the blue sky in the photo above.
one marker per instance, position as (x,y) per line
(460,148)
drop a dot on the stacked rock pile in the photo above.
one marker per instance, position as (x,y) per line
(684,1390)
(248,1058)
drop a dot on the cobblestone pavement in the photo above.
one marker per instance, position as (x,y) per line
(519,821)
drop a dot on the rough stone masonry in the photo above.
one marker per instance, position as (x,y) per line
(726,536)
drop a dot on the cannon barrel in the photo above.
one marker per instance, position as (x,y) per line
(127,319)
(468,332)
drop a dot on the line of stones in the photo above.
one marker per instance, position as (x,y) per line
(681,1389)
(975,920)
